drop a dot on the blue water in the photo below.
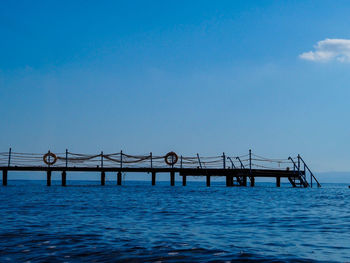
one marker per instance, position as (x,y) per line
(85,222)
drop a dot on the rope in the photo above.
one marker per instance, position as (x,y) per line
(141,161)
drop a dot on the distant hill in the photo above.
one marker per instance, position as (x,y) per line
(323,177)
(333,177)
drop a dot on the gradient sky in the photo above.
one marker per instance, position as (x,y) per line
(189,76)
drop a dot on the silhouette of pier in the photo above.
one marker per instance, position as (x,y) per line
(238,170)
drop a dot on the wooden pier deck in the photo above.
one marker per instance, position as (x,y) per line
(238,171)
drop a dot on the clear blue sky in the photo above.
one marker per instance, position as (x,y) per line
(189,76)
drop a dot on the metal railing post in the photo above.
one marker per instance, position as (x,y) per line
(224,160)
(151,159)
(9,160)
(49,158)
(101,159)
(250,162)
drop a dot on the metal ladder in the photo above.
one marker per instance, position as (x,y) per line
(300,179)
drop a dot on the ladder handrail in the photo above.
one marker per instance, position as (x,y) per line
(199,161)
(233,165)
(307,167)
(242,166)
(299,172)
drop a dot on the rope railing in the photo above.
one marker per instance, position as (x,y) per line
(124,160)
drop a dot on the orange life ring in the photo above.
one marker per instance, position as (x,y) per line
(171,158)
(48,160)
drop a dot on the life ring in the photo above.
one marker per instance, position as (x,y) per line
(50,158)
(171,158)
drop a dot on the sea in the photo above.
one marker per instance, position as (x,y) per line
(137,222)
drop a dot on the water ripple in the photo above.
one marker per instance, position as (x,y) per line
(141,223)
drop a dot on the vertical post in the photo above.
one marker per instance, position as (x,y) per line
(278,181)
(151,159)
(103,178)
(153,178)
(64,178)
(311,179)
(121,159)
(172,178)
(4,177)
(250,162)
(298,163)
(305,174)
(49,162)
(244,180)
(224,160)
(181,161)
(252,182)
(208,180)
(66,158)
(48,178)
(229,180)
(252,179)
(119,178)
(103,174)
(184,180)
(9,160)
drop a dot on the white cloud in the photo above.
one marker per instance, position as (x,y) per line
(329,49)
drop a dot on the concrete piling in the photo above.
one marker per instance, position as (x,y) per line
(4,177)
(153,178)
(103,178)
(48,178)
(172,178)
(119,178)
(64,178)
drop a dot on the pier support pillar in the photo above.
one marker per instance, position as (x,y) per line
(229,180)
(64,178)
(103,178)
(48,178)
(244,180)
(153,178)
(278,181)
(252,181)
(4,177)
(208,180)
(184,180)
(172,178)
(119,178)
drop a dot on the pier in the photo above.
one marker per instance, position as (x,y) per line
(237,170)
